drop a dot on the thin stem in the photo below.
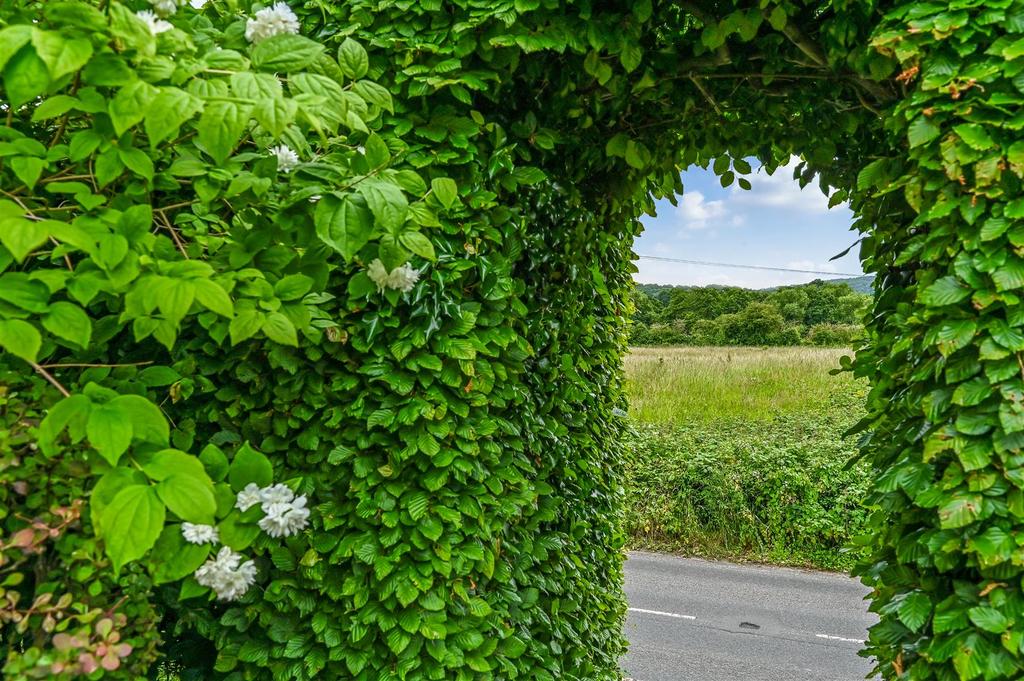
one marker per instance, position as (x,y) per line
(49,377)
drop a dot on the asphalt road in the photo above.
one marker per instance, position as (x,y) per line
(696,620)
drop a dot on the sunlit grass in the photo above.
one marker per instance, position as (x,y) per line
(693,384)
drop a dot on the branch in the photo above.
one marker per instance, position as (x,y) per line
(707,95)
(49,377)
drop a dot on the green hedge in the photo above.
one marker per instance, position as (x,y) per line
(779,491)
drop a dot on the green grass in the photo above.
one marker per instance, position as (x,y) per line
(738,453)
(699,384)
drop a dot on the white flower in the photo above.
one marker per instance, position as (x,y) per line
(284,519)
(403,278)
(271,21)
(164,8)
(378,274)
(227,575)
(248,497)
(286,158)
(200,534)
(155,25)
(198,4)
(276,494)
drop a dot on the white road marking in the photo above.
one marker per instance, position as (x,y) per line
(663,614)
(839,638)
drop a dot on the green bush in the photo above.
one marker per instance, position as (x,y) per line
(776,491)
(835,335)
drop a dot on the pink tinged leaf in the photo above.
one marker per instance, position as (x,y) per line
(123,650)
(111,661)
(88,663)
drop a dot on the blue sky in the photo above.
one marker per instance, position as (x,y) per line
(775,224)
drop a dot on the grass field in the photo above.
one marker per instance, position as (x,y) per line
(688,384)
(739,453)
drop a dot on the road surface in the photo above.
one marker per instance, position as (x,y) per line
(696,620)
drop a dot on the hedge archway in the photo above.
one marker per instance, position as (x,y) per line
(377,369)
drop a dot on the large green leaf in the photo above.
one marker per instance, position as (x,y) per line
(20,338)
(70,322)
(249,466)
(221,126)
(344,223)
(386,201)
(109,431)
(189,496)
(131,523)
(174,558)
(285,53)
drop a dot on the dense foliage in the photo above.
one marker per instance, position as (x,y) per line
(386,265)
(776,491)
(818,313)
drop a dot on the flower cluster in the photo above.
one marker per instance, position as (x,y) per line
(271,21)
(286,158)
(284,514)
(402,278)
(227,575)
(155,24)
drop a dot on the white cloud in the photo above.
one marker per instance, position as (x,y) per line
(781,191)
(694,212)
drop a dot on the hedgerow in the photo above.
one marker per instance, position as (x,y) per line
(378,253)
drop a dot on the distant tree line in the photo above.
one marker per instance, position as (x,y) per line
(819,313)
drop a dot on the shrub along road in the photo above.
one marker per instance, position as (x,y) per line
(704,621)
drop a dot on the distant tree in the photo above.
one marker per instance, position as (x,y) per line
(756,324)
(791,301)
(645,308)
(707,302)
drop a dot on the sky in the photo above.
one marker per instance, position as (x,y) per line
(774,224)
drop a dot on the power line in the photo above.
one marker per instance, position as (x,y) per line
(749,267)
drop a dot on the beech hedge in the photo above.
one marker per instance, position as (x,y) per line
(313,315)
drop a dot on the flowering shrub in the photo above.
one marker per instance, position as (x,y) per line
(175,175)
(378,253)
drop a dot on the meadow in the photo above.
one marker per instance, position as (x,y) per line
(739,453)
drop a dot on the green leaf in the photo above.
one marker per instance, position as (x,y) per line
(12,39)
(374,94)
(418,244)
(959,511)
(131,524)
(237,534)
(21,339)
(147,421)
(631,56)
(169,110)
(386,201)
(221,126)
(61,56)
(989,619)
(25,77)
(914,610)
(188,496)
(108,487)
(215,462)
(446,191)
(68,321)
(250,466)
(637,155)
(922,131)
(275,114)
(280,329)
(377,153)
(168,462)
(130,105)
(975,136)
(109,432)
(345,224)
(174,558)
(293,287)
(213,297)
(245,324)
(352,59)
(21,236)
(28,169)
(285,53)
(944,291)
